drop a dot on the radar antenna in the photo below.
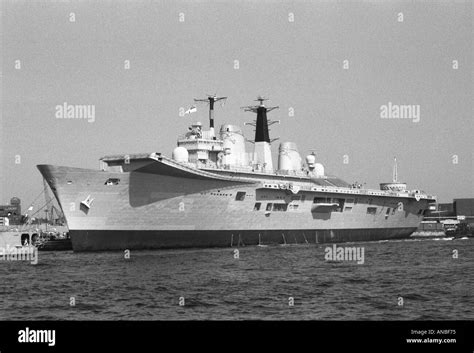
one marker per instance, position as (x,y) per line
(253,108)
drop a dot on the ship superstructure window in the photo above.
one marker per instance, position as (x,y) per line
(372,210)
(319,200)
(25,239)
(280,207)
(341,204)
(387,213)
(348,209)
(112,181)
(257,206)
(420,212)
(240,196)
(269,206)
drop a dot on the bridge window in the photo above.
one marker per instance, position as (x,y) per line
(319,200)
(280,207)
(25,239)
(112,181)
(34,238)
(420,212)
(269,206)
(372,210)
(257,206)
(348,209)
(341,204)
(240,196)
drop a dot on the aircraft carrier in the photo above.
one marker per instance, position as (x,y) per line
(211,192)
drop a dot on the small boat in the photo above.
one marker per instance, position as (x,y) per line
(15,238)
(52,241)
(18,245)
(459,230)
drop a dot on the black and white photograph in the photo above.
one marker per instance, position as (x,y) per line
(169,165)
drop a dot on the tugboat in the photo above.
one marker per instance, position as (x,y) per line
(20,241)
(459,230)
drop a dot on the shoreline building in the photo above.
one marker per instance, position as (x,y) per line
(445,215)
(11,214)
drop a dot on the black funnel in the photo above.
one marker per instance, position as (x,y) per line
(261,132)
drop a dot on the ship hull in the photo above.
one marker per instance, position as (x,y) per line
(159,205)
(100,240)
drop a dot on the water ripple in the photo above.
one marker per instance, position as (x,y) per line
(292,282)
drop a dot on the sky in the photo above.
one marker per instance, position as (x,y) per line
(329,66)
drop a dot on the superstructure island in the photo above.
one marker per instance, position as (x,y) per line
(211,192)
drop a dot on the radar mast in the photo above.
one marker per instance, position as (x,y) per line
(262,141)
(211,99)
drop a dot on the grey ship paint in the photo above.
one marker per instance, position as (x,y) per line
(214,193)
